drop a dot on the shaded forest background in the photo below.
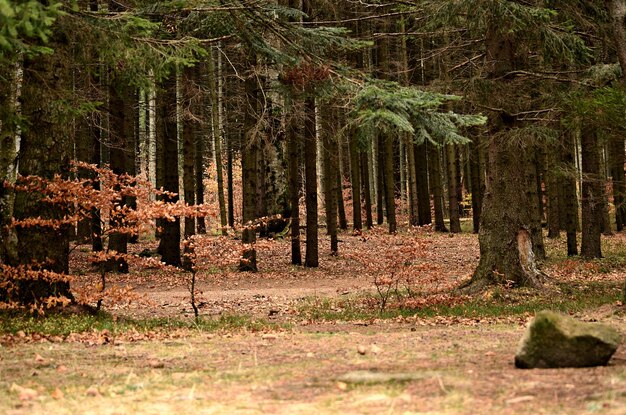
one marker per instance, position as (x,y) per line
(250,118)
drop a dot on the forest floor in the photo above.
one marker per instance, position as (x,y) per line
(376,329)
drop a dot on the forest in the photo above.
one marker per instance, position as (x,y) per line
(297,206)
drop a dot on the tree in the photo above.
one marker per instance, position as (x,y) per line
(44,151)
(169,246)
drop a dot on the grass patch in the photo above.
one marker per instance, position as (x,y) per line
(65,324)
(499,302)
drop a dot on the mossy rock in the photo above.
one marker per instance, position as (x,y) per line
(554,340)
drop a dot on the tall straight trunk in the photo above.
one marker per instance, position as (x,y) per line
(536,205)
(570,198)
(421,182)
(436,186)
(453,200)
(121,143)
(355,179)
(617,160)
(215,87)
(592,195)
(230,184)
(343,160)
(390,193)
(379,161)
(44,151)
(82,148)
(341,208)
(169,246)
(412,183)
(293,169)
(330,164)
(617,14)
(249,155)
(477,182)
(96,222)
(552,176)
(9,144)
(190,127)
(605,227)
(367,192)
(199,155)
(310,174)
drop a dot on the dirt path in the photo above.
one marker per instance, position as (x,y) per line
(457,370)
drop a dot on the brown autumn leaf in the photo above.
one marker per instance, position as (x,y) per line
(57,394)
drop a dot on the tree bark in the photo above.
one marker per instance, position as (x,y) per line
(310,172)
(453,200)
(169,246)
(9,142)
(389,185)
(436,186)
(570,197)
(216,103)
(330,163)
(121,144)
(617,161)
(367,192)
(477,182)
(592,195)
(355,179)
(249,155)
(293,166)
(44,151)
(420,152)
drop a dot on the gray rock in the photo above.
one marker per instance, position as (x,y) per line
(554,340)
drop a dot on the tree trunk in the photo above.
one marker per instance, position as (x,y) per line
(293,160)
(617,13)
(355,179)
(477,182)
(121,144)
(199,155)
(412,183)
(44,151)
(389,182)
(506,246)
(169,246)
(190,128)
(367,192)
(536,204)
(310,173)
(436,186)
(9,142)
(552,176)
(341,207)
(570,197)
(605,227)
(506,243)
(421,181)
(330,164)
(249,153)
(592,195)
(380,182)
(453,200)
(617,161)
(216,103)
